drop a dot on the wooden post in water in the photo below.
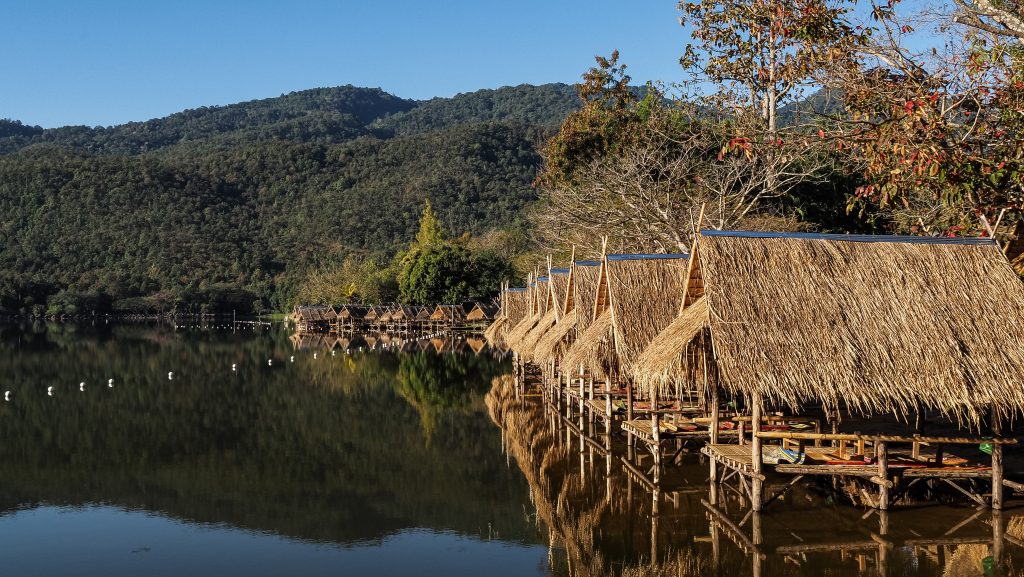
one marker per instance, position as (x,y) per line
(882,456)
(714,430)
(998,540)
(656,434)
(997,461)
(629,414)
(756,484)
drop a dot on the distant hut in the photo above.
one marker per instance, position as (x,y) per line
(558,280)
(636,296)
(402,317)
(371,319)
(384,322)
(448,316)
(351,316)
(482,313)
(423,316)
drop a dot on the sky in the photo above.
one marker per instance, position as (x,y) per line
(106,62)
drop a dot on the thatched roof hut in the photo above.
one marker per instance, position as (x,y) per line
(558,280)
(403,313)
(372,314)
(329,314)
(635,298)
(482,312)
(352,312)
(873,324)
(578,307)
(423,313)
(448,314)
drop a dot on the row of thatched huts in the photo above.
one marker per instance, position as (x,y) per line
(393,318)
(757,330)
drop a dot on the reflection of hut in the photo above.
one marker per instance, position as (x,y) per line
(578,304)
(476,344)
(371,341)
(636,296)
(512,309)
(866,324)
(558,279)
(312,318)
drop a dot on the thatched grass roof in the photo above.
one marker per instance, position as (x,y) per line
(557,284)
(590,347)
(578,304)
(354,312)
(482,312)
(668,362)
(536,307)
(878,324)
(373,313)
(642,294)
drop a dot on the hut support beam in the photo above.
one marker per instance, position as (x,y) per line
(997,462)
(882,455)
(756,480)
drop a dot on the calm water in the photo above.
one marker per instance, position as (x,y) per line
(371,462)
(384,462)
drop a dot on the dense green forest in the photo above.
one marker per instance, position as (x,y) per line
(234,207)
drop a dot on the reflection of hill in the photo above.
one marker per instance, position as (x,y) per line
(319,449)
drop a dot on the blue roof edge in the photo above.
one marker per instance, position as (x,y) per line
(979,241)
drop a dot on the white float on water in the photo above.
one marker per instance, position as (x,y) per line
(110,384)
(314,355)
(234,367)
(7,395)
(170,376)
(270,362)
(292,359)
(49,391)
(81,386)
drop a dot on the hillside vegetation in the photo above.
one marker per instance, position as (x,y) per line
(232,207)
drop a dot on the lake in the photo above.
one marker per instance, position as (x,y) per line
(406,459)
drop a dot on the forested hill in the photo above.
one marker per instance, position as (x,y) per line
(230,204)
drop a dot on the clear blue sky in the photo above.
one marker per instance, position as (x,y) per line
(103,62)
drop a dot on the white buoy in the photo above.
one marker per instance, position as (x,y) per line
(49,391)
(110,384)
(292,359)
(314,355)
(270,362)
(332,353)
(234,367)
(7,395)
(170,376)
(81,386)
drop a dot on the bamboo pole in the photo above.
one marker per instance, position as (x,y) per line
(757,485)
(997,462)
(882,455)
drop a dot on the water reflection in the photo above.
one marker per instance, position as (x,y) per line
(605,517)
(343,450)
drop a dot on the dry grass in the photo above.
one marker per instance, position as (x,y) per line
(590,347)
(663,363)
(537,305)
(553,303)
(548,344)
(877,326)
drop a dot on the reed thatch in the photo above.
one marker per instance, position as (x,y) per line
(482,312)
(538,303)
(513,308)
(671,361)
(579,312)
(877,324)
(643,294)
(590,347)
(372,314)
(557,283)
